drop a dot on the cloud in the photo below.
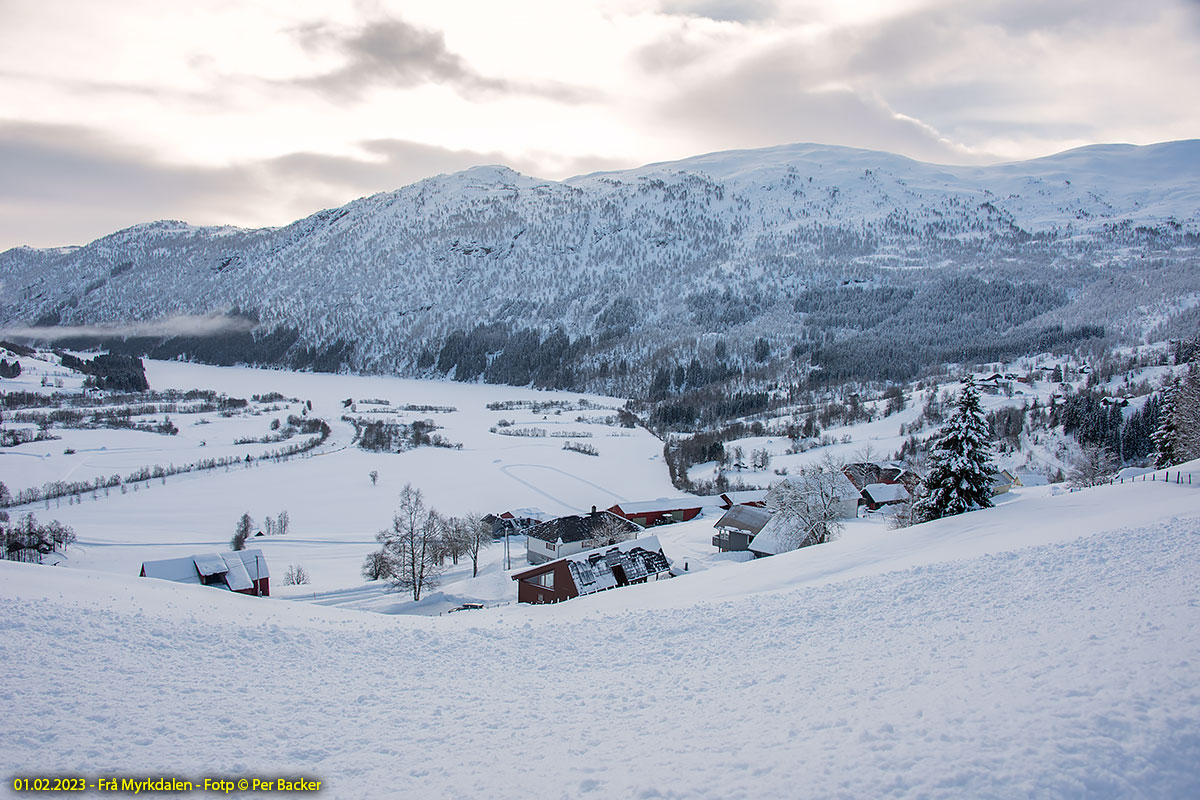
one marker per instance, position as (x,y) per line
(778,98)
(743,11)
(183,325)
(69,184)
(389,52)
(935,80)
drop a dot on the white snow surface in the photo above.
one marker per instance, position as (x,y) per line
(334,508)
(1049,647)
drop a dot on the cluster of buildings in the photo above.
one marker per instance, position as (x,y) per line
(581,554)
(604,549)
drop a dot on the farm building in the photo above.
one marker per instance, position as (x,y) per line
(516,521)
(1003,480)
(565,536)
(622,564)
(738,526)
(745,497)
(662,511)
(241,571)
(877,495)
(865,473)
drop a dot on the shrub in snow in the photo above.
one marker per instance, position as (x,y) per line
(295,575)
(580,447)
(245,525)
(376,566)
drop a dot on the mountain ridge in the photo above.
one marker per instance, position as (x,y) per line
(651,264)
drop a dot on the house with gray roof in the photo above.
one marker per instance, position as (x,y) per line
(565,536)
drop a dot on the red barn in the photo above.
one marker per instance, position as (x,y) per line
(241,571)
(648,513)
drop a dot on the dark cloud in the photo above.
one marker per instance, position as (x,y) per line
(723,10)
(69,185)
(392,53)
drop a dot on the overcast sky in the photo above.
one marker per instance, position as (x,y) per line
(257,112)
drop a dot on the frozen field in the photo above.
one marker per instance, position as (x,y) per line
(334,508)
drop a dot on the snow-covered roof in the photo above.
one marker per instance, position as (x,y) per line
(239,568)
(593,571)
(526,513)
(576,528)
(744,518)
(180,570)
(768,540)
(1002,477)
(668,504)
(886,492)
(746,496)
(254,561)
(210,564)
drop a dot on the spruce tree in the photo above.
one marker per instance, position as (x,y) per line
(959,462)
(1166,437)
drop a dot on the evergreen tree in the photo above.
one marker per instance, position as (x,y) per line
(960,462)
(1177,438)
(1166,436)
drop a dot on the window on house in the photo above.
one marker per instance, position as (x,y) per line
(545,580)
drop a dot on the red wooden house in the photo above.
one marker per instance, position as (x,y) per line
(621,564)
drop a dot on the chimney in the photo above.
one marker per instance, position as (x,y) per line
(593,511)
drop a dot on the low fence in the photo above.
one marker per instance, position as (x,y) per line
(1166,476)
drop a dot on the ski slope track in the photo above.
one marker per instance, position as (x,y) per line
(1046,648)
(725,243)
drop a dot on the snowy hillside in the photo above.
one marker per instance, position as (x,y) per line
(741,244)
(1045,648)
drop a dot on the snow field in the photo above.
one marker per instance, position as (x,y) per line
(334,509)
(957,666)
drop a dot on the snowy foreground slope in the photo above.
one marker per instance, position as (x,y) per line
(994,655)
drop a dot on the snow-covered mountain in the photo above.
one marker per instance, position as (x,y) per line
(787,243)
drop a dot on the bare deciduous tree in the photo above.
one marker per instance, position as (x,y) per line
(411,545)
(478,536)
(807,507)
(611,530)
